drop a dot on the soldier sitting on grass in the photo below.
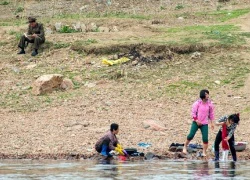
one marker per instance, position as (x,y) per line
(34,35)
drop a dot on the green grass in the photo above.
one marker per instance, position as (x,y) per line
(118,15)
(3,43)
(200,28)
(16,34)
(181,86)
(79,45)
(237,76)
(228,35)
(121,15)
(13,23)
(4,2)
(59,45)
(164,79)
(23,102)
(19,9)
(225,15)
(245,34)
(226,38)
(179,6)
(246,110)
(67,29)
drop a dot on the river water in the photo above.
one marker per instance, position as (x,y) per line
(108,170)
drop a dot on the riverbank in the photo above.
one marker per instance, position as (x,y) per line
(242,156)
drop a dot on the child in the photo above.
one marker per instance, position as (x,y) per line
(203,114)
(231,123)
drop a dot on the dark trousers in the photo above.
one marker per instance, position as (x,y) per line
(218,140)
(194,129)
(37,42)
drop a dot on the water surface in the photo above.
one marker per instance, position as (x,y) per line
(105,170)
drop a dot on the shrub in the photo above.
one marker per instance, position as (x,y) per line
(67,29)
(179,6)
(4,3)
(19,9)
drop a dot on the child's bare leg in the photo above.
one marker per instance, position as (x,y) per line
(205,146)
(185,146)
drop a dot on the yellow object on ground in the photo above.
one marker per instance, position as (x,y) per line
(114,62)
(119,146)
(119,150)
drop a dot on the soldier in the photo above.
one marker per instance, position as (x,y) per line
(34,35)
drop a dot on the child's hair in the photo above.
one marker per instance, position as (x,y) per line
(114,126)
(203,93)
(235,118)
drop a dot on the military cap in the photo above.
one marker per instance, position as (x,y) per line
(31,19)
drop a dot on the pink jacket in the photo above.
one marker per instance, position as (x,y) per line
(202,112)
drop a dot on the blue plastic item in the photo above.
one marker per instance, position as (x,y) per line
(142,144)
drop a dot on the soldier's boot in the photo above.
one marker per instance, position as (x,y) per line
(21,51)
(34,52)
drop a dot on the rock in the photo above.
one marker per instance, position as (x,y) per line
(134,63)
(93,27)
(67,84)
(196,55)
(84,8)
(154,125)
(83,28)
(217,82)
(46,83)
(26,88)
(48,31)
(149,155)
(16,70)
(58,26)
(77,26)
(115,57)
(115,29)
(89,85)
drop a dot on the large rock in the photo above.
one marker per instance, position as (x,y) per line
(46,83)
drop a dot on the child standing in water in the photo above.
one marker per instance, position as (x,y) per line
(231,123)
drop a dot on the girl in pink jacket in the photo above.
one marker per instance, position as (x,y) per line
(202,114)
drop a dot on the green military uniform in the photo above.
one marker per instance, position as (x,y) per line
(39,30)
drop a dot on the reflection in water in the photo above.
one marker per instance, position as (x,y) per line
(115,169)
(226,169)
(111,167)
(200,170)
